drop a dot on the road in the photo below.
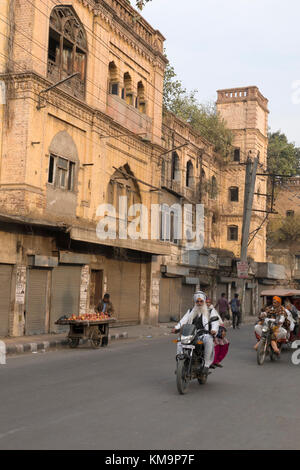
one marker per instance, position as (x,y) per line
(125,397)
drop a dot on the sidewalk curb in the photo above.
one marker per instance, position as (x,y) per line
(44,346)
(18,348)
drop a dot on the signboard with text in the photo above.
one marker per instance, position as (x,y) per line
(242,269)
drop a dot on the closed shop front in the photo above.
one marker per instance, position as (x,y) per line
(187,302)
(248,302)
(5,292)
(170,299)
(36,301)
(123,285)
(65,293)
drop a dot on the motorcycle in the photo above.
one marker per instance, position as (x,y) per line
(190,363)
(265,348)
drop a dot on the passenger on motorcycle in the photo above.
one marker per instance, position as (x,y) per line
(200,316)
(220,340)
(278,313)
(292,317)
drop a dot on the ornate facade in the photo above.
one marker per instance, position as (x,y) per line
(66,148)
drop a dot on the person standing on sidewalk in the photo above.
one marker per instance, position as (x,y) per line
(223,307)
(235,305)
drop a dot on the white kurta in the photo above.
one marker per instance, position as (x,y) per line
(209,350)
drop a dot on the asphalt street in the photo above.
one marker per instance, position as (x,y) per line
(125,397)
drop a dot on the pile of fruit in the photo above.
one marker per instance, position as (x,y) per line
(89,317)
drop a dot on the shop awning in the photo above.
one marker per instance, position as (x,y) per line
(280,292)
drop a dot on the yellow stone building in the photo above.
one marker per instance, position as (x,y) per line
(67,148)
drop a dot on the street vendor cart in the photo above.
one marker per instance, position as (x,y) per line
(96,331)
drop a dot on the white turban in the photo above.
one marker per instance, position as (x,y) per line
(199,295)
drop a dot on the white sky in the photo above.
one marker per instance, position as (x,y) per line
(217,44)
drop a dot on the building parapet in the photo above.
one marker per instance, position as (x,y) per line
(127,16)
(231,95)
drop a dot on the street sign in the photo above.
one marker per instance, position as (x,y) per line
(242,269)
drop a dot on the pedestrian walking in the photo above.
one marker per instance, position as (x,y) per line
(223,307)
(235,306)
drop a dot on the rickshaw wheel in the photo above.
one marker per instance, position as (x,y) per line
(73,342)
(96,339)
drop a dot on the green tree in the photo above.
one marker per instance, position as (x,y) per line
(141,3)
(204,118)
(283,156)
(173,89)
(284,229)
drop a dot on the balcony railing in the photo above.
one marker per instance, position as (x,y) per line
(75,86)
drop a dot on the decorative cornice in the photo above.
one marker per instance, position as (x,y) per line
(126,31)
(31,82)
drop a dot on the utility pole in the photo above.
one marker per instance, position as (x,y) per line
(250,179)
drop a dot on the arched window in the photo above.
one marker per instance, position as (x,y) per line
(127,92)
(290,213)
(233,233)
(213,188)
(175,167)
(189,174)
(234,194)
(236,155)
(67,50)
(140,99)
(113,79)
(123,183)
(63,162)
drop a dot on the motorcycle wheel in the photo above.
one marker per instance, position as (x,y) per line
(261,352)
(202,379)
(181,376)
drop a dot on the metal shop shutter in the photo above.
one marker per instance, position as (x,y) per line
(65,293)
(248,302)
(36,301)
(169,299)
(130,292)
(123,285)
(187,301)
(5,291)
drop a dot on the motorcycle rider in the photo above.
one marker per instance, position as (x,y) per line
(277,312)
(200,316)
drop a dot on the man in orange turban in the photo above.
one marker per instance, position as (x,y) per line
(276,311)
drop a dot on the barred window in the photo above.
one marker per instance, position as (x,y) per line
(233,233)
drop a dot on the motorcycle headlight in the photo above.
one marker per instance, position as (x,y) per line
(265,329)
(187,339)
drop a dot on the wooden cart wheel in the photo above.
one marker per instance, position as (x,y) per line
(73,342)
(96,338)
